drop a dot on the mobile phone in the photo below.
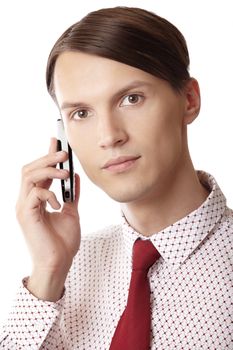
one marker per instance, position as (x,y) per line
(67,185)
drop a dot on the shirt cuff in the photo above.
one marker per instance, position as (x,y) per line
(31,319)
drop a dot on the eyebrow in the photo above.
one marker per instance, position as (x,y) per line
(132,85)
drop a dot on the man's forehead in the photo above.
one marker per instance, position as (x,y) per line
(71,64)
(83,74)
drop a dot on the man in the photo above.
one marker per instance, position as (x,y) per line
(120,80)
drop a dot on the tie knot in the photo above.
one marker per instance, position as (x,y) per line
(144,254)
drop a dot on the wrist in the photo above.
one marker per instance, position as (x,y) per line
(46,285)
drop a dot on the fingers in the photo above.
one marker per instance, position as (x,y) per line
(77,189)
(53,145)
(50,159)
(38,175)
(52,149)
(41,170)
(39,196)
(35,204)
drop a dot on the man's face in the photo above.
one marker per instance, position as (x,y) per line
(126,127)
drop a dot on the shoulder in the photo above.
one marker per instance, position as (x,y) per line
(107,233)
(102,241)
(227,223)
(97,248)
(222,238)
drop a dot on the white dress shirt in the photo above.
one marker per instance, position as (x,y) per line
(191,288)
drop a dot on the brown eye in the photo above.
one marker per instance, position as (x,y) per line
(80,114)
(131,99)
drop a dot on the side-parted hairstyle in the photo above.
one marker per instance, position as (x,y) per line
(129,35)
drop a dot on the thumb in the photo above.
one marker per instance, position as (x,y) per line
(73,205)
(77,189)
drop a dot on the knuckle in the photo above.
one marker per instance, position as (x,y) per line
(39,192)
(49,159)
(26,177)
(36,191)
(24,170)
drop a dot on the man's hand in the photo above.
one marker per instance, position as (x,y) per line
(53,238)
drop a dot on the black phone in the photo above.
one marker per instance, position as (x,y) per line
(67,185)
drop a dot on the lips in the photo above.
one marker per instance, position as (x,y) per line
(120,160)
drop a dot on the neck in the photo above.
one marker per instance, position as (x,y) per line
(178,196)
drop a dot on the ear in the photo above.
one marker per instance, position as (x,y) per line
(193,101)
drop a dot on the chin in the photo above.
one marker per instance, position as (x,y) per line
(127,195)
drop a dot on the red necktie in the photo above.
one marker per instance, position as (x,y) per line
(133,329)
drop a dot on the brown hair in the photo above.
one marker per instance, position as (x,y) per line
(130,35)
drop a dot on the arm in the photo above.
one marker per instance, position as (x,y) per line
(53,239)
(32,322)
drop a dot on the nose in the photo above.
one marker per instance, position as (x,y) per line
(111,132)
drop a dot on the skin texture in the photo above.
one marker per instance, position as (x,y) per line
(148,121)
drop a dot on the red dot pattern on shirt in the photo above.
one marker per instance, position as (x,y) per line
(191,288)
(30,320)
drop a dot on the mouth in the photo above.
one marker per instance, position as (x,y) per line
(120,164)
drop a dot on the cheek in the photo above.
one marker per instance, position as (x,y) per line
(87,162)
(79,144)
(162,139)
(83,148)
(171,148)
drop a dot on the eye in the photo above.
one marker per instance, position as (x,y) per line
(80,114)
(131,99)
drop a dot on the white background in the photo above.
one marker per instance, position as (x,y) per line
(28,29)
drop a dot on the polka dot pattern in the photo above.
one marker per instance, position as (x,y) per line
(191,288)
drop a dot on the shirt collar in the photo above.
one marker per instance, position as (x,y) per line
(176,242)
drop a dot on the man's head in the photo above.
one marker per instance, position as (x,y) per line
(120,79)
